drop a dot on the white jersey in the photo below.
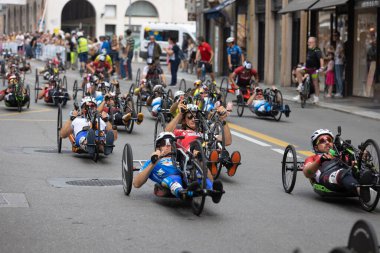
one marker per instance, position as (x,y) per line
(79,122)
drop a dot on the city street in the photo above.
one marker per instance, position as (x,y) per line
(40,213)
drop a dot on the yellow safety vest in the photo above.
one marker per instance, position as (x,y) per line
(82,45)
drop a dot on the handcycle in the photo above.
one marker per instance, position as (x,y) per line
(163,116)
(94,117)
(57,88)
(147,92)
(191,164)
(18,97)
(275,101)
(364,158)
(125,105)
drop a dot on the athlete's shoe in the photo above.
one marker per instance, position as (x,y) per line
(140,118)
(366,179)
(235,160)
(213,162)
(287,110)
(300,87)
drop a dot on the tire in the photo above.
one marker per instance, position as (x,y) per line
(75,91)
(305,93)
(138,76)
(132,89)
(278,103)
(217,144)
(28,93)
(370,162)
(36,90)
(138,104)
(4,80)
(36,80)
(127,169)
(363,238)
(199,172)
(170,94)
(95,156)
(64,83)
(240,106)
(129,107)
(289,168)
(59,127)
(182,85)
(159,126)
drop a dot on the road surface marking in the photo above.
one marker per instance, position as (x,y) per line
(250,139)
(278,150)
(18,113)
(264,137)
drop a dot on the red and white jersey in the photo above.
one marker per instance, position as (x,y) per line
(190,136)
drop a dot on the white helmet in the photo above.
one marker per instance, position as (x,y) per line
(178,93)
(164,135)
(318,133)
(102,58)
(87,100)
(79,34)
(230,40)
(47,75)
(149,61)
(247,65)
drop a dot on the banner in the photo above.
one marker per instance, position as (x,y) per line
(20,2)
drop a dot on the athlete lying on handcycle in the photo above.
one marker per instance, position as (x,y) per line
(262,105)
(86,132)
(161,169)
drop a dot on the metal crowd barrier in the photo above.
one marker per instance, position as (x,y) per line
(42,52)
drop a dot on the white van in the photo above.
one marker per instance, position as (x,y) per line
(162,31)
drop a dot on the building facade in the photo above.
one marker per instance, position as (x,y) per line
(95,17)
(274,35)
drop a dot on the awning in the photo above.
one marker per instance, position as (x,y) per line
(297,5)
(216,11)
(327,3)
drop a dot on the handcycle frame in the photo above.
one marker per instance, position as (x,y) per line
(19,96)
(163,116)
(127,106)
(344,148)
(193,169)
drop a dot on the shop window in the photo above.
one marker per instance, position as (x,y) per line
(325,20)
(110,30)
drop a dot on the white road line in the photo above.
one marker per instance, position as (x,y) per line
(263,144)
(278,150)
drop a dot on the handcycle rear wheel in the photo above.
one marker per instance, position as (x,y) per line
(370,159)
(138,76)
(64,83)
(131,89)
(305,92)
(278,104)
(138,104)
(159,126)
(224,90)
(59,127)
(36,89)
(219,144)
(240,106)
(363,238)
(127,169)
(129,108)
(198,173)
(95,156)
(289,168)
(75,90)
(182,85)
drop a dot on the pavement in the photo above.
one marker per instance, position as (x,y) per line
(364,107)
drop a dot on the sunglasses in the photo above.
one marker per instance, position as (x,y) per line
(165,142)
(324,140)
(191,116)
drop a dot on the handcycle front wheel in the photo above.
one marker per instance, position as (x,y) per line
(182,85)
(289,168)
(138,76)
(369,159)
(127,169)
(129,108)
(198,173)
(28,93)
(277,103)
(59,127)
(216,141)
(36,90)
(159,126)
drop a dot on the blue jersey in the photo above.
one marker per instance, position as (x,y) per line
(163,169)
(235,53)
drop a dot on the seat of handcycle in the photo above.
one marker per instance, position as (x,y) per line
(323,191)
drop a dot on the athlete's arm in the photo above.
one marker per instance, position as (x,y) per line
(141,178)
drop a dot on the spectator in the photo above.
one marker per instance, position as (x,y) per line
(184,56)
(154,50)
(115,53)
(330,80)
(339,64)
(204,56)
(129,50)
(122,57)
(20,42)
(104,44)
(192,52)
(82,50)
(173,53)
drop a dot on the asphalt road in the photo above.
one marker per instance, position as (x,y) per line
(255,214)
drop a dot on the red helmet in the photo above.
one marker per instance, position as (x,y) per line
(55,61)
